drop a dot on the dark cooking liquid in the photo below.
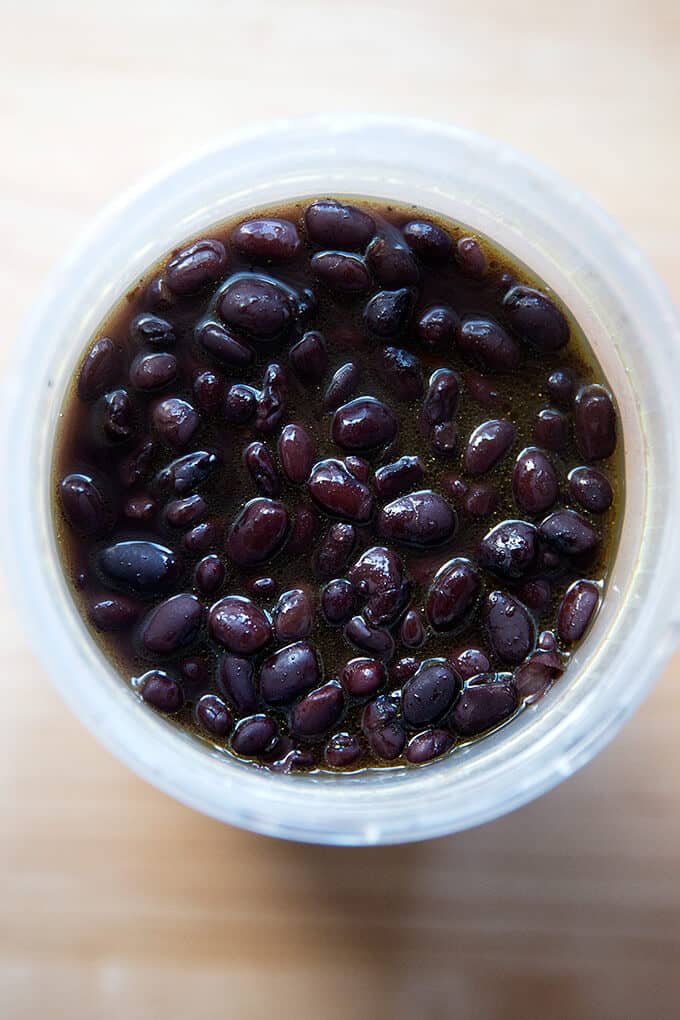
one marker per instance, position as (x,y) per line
(277,312)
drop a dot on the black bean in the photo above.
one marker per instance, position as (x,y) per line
(188,472)
(369,639)
(403,373)
(153,371)
(595,422)
(510,629)
(195,266)
(266,239)
(209,574)
(263,587)
(208,391)
(403,668)
(254,736)
(118,416)
(162,693)
(172,624)
(387,742)
(318,711)
(213,716)
(175,421)
(551,429)
(536,594)
(470,662)
(99,370)
(181,512)
(428,241)
(569,533)
(428,745)
(289,672)
(359,467)
(535,318)
(257,532)
(331,224)
(342,750)
(271,402)
(444,438)
(335,550)
(455,590)
(363,424)
(378,576)
(437,326)
(194,671)
(547,641)
(338,492)
(341,272)
(455,487)
(204,536)
(293,615)
(387,312)
(412,632)
(420,518)
(471,258)
(483,705)
(392,263)
(393,479)
(536,676)
(224,345)
(363,677)
(132,469)
(296,453)
(151,329)
(303,530)
(158,295)
(294,759)
(534,481)
(429,694)
(379,712)
(262,469)
(239,625)
(441,400)
(481,499)
(487,445)
(337,601)
(117,612)
(237,683)
(309,358)
(343,384)
(240,404)
(591,489)
(146,567)
(562,387)
(83,504)
(576,610)
(487,343)
(256,304)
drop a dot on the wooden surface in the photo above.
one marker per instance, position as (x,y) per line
(117,902)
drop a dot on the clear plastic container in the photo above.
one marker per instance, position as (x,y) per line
(635,333)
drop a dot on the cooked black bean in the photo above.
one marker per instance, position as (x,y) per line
(262,469)
(209,391)
(455,487)
(369,639)
(337,601)
(387,312)
(379,577)
(419,518)
(562,387)
(267,239)
(535,318)
(391,262)
(428,241)
(256,304)
(363,424)
(182,512)
(335,550)
(342,385)
(338,492)
(240,404)
(195,266)
(551,429)
(437,326)
(576,610)
(83,504)
(318,711)
(296,453)
(118,416)
(547,641)
(160,691)
(146,567)
(289,672)
(158,295)
(224,345)
(239,625)
(117,612)
(403,373)
(309,358)
(510,629)
(537,675)
(254,736)
(342,750)
(595,422)
(204,536)
(403,668)
(471,258)
(481,499)
(188,472)
(393,479)
(271,401)
(100,369)
(236,680)
(412,632)
(387,742)
(535,594)
(359,467)
(341,272)
(570,533)
(132,468)
(483,705)
(379,712)
(363,677)
(488,344)
(454,592)
(470,662)
(213,716)
(263,587)
(428,745)
(487,445)
(175,421)
(153,371)
(429,694)
(257,532)
(444,438)
(172,624)
(332,224)
(293,615)
(591,489)
(441,400)
(209,574)
(534,481)
(152,329)
(303,530)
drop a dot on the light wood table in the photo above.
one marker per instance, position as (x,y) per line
(118,903)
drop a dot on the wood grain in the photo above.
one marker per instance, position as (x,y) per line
(119,903)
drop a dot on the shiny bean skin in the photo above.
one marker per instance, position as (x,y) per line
(363,424)
(487,445)
(254,736)
(471,258)
(393,479)
(387,742)
(428,745)
(338,492)
(412,632)
(535,318)
(263,587)
(392,263)
(420,518)
(318,711)
(470,662)
(151,329)
(332,224)
(404,668)
(162,693)
(510,629)
(265,240)
(569,533)
(437,326)
(379,712)
(481,499)
(182,512)
(335,551)
(441,400)
(213,716)
(240,404)
(375,640)
(175,421)
(239,625)
(428,241)
(262,469)
(363,677)
(359,467)
(595,423)
(342,385)
(591,489)
(208,391)
(188,472)
(454,592)
(204,536)
(403,373)
(153,371)
(258,532)
(488,344)
(535,677)
(379,576)
(576,610)
(172,624)
(158,295)
(146,567)
(257,305)
(561,387)
(340,272)
(293,615)
(551,429)
(136,463)
(296,453)
(99,370)
(309,358)
(337,601)
(289,672)
(83,504)
(429,694)
(342,750)
(534,481)
(118,416)
(387,312)
(547,641)
(271,402)
(444,438)
(209,574)
(224,346)
(303,531)
(236,680)
(482,706)
(117,612)
(193,267)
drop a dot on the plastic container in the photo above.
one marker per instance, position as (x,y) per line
(635,333)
